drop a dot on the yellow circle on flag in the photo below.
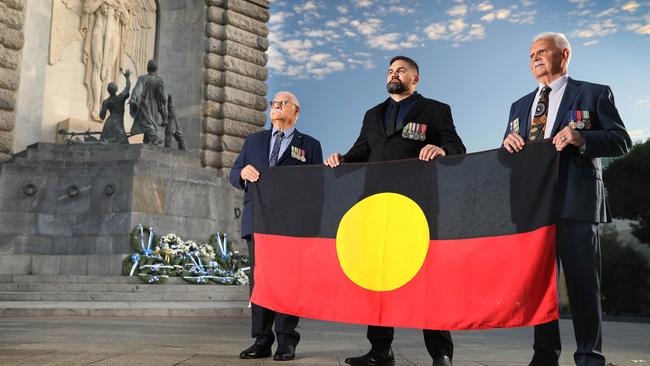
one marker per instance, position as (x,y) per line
(382,241)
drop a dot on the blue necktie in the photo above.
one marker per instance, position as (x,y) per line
(273,160)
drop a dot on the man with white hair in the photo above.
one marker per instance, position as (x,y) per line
(584,125)
(282,145)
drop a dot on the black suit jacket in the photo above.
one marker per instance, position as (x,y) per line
(256,152)
(580,182)
(373,144)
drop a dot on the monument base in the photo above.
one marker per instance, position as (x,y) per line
(69,207)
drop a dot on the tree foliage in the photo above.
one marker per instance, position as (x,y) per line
(625,276)
(628,188)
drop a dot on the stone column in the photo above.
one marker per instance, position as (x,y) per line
(11,44)
(235,75)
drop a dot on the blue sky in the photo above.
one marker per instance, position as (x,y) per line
(473,55)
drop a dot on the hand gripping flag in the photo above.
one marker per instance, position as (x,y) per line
(463,242)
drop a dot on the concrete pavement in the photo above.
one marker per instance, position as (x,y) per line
(195,341)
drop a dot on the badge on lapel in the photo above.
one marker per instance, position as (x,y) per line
(514,126)
(579,120)
(415,131)
(298,154)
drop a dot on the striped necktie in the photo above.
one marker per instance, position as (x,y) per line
(279,136)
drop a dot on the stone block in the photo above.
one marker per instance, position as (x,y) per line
(4,157)
(11,38)
(7,99)
(18,222)
(11,17)
(9,58)
(33,244)
(245,53)
(243,114)
(186,199)
(232,18)
(233,143)
(9,79)
(73,264)
(232,79)
(233,95)
(46,264)
(15,264)
(212,142)
(15,4)
(73,195)
(244,68)
(7,120)
(254,10)
(218,159)
(222,32)
(6,141)
(149,194)
(111,193)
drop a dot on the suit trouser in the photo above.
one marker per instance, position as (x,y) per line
(578,249)
(438,342)
(263,318)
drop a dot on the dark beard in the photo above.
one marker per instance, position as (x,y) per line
(395,88)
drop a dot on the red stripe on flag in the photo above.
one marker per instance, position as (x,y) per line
(493,282)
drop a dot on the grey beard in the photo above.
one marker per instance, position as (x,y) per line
(395,88)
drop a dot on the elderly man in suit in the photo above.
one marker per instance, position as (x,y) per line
(584,125)
(406,125)
(282,145)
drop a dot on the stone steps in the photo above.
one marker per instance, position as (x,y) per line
(122,308)
(77,295)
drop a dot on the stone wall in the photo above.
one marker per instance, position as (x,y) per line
(11,44)
(235,75)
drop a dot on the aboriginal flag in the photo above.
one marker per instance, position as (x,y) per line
(462,242)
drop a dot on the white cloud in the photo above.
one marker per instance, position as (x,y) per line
(477,31)
(500,14)
(597,30)
(310,5)
(319,57)
(631,6)
(590,43)
(436,31)
(643,102)
(457,25)
(639,135)
(297,49)
(523,17)
(342,9)
(457,11)
(362,3)
(607,12)
(638,28)
(484,6)
(580,3)
(370,27)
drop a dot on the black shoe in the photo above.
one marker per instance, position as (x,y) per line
(285,353)
(543,359)
(442,361)
(373,358)
(257,350)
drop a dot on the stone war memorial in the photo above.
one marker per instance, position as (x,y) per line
(119,123)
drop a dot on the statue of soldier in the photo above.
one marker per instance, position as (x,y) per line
(148,105)
(173,128)
(113,130)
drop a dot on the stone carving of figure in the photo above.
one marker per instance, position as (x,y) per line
(113,130)
(112,29)
(173,129)
(148,105)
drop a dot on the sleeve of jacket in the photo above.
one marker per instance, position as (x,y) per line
(240,163)
(511,117)
(612,139)
(360,151)
(449,139)
(317,153)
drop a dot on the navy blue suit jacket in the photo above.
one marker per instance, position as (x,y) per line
(256,153)
(581,189)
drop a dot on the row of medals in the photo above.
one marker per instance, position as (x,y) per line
(415,131)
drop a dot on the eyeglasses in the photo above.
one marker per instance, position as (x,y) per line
(279,103)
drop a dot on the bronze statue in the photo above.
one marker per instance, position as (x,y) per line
(148,105)
(173,128)
(113,130)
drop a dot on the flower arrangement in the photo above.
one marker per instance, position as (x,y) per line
(156,258)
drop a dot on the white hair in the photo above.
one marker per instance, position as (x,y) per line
(294,99)
(560,40)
